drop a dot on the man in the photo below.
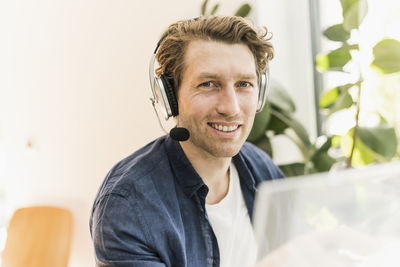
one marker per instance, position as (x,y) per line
(189,203)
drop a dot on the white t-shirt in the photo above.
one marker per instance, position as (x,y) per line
(232,226)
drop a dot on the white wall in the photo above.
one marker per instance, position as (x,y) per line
(292,65)
(74,97)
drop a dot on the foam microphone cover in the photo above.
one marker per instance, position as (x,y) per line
(179,134)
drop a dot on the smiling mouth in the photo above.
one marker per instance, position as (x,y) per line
(224,128)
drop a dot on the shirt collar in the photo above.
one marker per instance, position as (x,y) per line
(244,173)
(182,169)
(189,179)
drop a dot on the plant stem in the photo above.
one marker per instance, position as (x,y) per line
(299,141)
(303,149)
(350,158)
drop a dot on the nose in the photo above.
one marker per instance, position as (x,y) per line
(228,102)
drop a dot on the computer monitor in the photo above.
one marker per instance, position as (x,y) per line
(340,218)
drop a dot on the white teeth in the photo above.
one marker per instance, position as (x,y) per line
(224,128)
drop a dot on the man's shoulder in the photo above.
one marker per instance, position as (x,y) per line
(252,152)
(141,164)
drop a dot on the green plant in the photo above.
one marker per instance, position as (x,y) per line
(277,118)
(360,145)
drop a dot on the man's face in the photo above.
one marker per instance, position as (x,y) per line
(217,98)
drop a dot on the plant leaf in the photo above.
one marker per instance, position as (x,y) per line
(352,47)
(293,169)
(329,97)
(334,60)
(279,97)
(387,56)
(326,146)
(344,101)
(362,155)
(264,144)
(204,7)
(354,15)
(243,11)
(346,4)
(291,122)
(382,140)
(321,159)
(260,123)
(336,140)
(337,33)
(214,9)
(275,124)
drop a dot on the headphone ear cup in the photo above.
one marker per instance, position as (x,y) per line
(170,93)
(264,88)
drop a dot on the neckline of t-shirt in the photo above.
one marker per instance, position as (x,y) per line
(233,175)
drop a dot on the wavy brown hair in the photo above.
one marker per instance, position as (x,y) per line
(228,29)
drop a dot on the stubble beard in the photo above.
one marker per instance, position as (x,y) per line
(203,139)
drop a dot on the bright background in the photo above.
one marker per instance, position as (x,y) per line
(74,92)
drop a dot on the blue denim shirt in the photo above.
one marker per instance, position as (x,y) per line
(150,209)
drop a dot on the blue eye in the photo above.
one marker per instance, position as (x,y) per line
(206,84)
(244,84)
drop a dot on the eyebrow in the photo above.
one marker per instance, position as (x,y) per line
(209,75)
(248,76)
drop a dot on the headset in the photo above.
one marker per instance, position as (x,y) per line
(164,92)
